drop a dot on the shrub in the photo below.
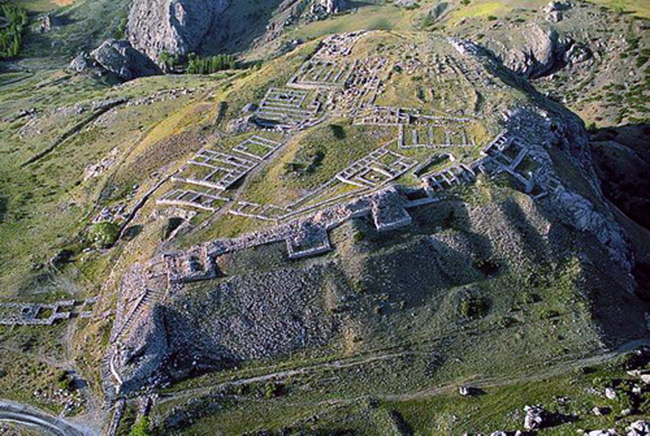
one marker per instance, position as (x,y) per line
(272,390)
(11,36)
(104,234)
(472,305)
(503,321)
(592,127)
(337,131)
(65,381)
(120,30)
(449,220)
(141,427)
(488,266)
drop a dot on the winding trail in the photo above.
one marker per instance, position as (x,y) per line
(17,80)
(337,364)
(74,130)
(25,415)
(556,370)
(538,375)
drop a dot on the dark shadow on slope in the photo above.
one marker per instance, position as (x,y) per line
(240,25)
(622,157)
(408,267)
(4,206)
(535,246)
(192,352)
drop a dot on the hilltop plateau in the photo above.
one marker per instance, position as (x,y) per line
(324,217)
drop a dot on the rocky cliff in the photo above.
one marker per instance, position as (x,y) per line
(333,6)
(173,26)
(115,57)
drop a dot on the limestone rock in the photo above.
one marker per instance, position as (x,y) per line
(600,411)
(333,6)
(606,432)
(49,22)
(120,58)
(577,53)
(81,63)
(535,418)
(466,391)
(584,216)
(554,10)
(172,26)
(610,393)
(406,3)
(639,428)
(541,52)
(556,6)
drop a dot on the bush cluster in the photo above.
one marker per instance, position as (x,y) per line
(12,26)
(104,234)
(211,64)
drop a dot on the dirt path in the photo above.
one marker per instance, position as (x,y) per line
(338,364)
(537,375)
(28,416)
(74,130)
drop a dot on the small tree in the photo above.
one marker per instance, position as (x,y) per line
(141,427)
(104,234)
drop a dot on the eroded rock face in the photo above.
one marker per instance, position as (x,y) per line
(541,52)
(120,58)
(172,26)
(144,354)
(116,57)
(333,6)
(554,10)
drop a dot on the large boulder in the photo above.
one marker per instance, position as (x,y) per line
(554,10)
(539,53)
(83,62)
(116,58)
(639,428)
(322,8)
(120,58)
(535,418)
(171,26)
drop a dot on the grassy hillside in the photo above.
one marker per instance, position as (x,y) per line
(487,287)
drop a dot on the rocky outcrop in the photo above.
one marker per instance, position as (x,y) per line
(639,428)
(577,53)
(115,57)
(49,22)
(540,53)
(144,353)
(583,210)
(171,26)
(122,59)
(320,9)
(333,6)
(535,418)
(554,10)
(83,62)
